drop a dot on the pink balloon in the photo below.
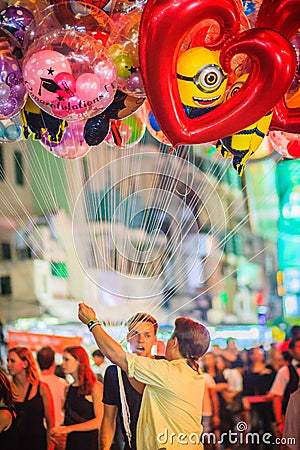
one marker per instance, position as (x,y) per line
(74,108)
(87,86)
(40,71)
(106,72)
(61,79)
(67,84)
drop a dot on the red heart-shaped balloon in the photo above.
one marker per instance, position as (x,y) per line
(164,26)
(284,17)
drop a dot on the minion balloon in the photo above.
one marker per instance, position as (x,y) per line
(36,122)
(201,81)
(244,143)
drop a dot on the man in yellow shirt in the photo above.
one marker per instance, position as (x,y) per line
(170,414)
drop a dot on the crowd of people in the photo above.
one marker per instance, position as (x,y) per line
(188,398)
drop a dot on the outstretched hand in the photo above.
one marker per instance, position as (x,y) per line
(85,313)
(108,346)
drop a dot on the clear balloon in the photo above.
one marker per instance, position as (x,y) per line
(78,8)
(124,6)
(134,83)
(14,20)
(13,92)
(124,51)
(86,19)
(126,133)
(59,72)
(72,145)
(46,140)
(106,72)
(32,5)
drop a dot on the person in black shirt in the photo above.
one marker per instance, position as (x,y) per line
(122,396)
(8,436)
(33,401)
(257,382)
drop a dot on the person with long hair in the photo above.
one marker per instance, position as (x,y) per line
(33,403)
(83,405)
(7,413)
(171,409)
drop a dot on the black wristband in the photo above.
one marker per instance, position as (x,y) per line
(93,323)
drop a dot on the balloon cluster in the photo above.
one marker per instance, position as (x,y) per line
(79,68)
(211,49)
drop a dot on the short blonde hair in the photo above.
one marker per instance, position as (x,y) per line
(141,317)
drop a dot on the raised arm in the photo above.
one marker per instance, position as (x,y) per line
(108,346)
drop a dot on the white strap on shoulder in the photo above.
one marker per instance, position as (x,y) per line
(125,407)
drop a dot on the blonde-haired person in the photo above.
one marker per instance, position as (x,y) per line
(33,403)
(171,409)
(83,405)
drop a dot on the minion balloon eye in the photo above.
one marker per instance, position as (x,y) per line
(207,79)
(235,88)
(206,89)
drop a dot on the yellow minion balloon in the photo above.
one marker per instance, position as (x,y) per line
(201,80)
(244,143)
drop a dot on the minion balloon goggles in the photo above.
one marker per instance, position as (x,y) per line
(207,79)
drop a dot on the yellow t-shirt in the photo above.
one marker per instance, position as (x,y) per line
(171,408)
